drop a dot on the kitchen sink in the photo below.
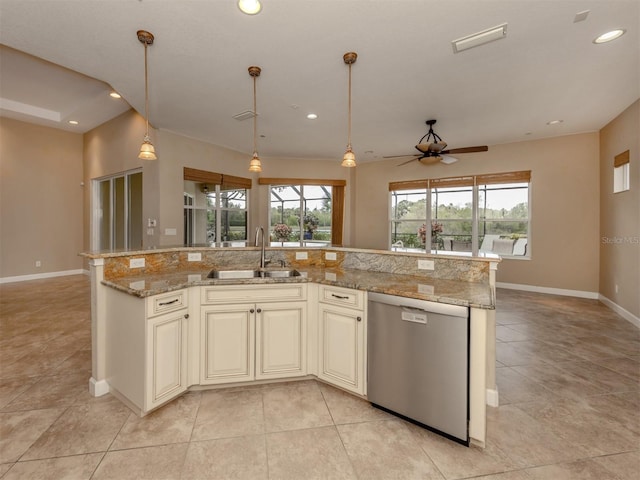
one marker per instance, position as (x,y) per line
(233,274)
(240,274)
(283,273)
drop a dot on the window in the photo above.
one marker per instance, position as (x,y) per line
(483,213)
(305,212)
(215,209)
(621,172)
(117,217)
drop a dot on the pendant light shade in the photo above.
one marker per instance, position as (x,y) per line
(147,151)
(349,158)
(255,165)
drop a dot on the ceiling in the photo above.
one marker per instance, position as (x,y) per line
(547,68)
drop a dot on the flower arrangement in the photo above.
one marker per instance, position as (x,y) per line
(281,231)
(310,222)
(436,228)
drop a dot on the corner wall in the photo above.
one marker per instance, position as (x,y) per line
(41,199)
(620,214)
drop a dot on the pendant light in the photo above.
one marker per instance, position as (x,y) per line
(255,165)
(349,158)
(147,152)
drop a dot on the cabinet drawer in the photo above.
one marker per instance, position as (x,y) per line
(346,297)
(218,294)
(166,302)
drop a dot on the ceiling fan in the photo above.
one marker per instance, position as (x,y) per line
(432,149)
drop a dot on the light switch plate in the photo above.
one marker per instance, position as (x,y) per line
(194,257)
(136,262)
(301,255)
(426,265)
(426,289)
(170,231)
(330,256)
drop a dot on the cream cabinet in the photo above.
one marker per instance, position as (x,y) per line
(341,338)
(146,362)
(166,375)
(244,341)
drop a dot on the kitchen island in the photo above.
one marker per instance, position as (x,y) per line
(160,326)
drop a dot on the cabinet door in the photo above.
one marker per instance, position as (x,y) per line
(341,347)
(281,333)
(166,372)
(227,343)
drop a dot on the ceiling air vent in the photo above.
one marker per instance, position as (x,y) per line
(244,115)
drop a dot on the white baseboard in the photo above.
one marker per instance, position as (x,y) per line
(38,276)
(626,314)
(492,397)
(549,290)
(97,388)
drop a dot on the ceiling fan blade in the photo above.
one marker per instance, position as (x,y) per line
(409,161)
(482,148)
(400,156)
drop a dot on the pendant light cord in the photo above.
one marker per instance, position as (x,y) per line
(255,119)
(349,139)
(146,91)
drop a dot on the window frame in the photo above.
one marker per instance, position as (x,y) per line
(337,202)
(476,183)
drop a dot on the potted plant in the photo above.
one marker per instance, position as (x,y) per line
(310,224)
(436,229)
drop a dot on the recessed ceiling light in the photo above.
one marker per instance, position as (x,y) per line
(250,7)
(115,95)
(73,122)
(607,37)
(312,116)
(555,122)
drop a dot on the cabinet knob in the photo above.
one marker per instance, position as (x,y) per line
(259,310)
(186,315)
(252,311)
(359,319)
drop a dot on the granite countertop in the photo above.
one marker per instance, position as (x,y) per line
(454,292)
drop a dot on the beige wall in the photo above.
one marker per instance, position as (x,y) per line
(620,213)
(113,148)
(564,238)
(40,199)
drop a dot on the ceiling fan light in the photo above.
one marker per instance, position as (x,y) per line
(349,158)
(255,165)
(147,151)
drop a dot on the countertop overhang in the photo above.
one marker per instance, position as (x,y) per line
(454,292)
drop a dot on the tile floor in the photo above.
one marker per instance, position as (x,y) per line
(568,375)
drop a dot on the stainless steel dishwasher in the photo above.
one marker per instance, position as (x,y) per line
(418,362)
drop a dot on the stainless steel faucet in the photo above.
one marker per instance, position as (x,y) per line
(260,231)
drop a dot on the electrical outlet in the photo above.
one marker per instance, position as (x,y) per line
(426,289)
(330,256)
(39,264)
(301,256)
(426,265)
(194,257)
(616,285)
(136,262)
